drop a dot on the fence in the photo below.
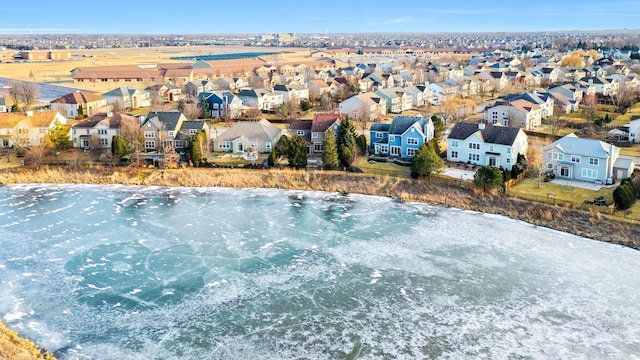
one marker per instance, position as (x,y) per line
(552,200)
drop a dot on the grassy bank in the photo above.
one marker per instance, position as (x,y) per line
(13,347)
(588,224)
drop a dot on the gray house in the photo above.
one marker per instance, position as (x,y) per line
(261,135)
(572,158)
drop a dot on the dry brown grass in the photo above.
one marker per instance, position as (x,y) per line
(583,223)
(13,347)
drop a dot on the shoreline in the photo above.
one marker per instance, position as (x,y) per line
(592,225)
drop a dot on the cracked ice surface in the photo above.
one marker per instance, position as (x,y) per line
(148,272)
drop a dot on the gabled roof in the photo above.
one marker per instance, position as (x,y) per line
(169,119)
(380,127)
(400,124)
(78,97)
(36,119)
(321,122)
(571,144)
(112,120)
(500,135)
(301,125)
(261,130)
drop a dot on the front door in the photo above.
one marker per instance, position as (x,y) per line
(565,172)
(492,161)
(239,147)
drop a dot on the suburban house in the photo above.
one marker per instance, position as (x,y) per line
(193,88)
(262,99)
(302,128)
(163,93)
(160,129)
(514,113)
(221,104)
(319,126)
(27,129)
(98,130)
(244,135)
(364,106)
(634,129)
(317,88)
(403,137)
(396,98)
(78,103)
(125,97)
(420,94)
(573,158)
(292,92)
(190,128)
(487,145)
(233,83)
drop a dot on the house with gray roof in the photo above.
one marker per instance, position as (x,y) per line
(403,137)
(125,97)
(242,136)
(486,145)
(574,158)
(160,129)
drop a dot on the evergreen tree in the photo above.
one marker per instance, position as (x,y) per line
(347,146)
(361,141)
(80,112)
(119,147)
(204,108)
(329,149)
(438,127)
(297,153)
(59,136)
(196,146)
(271,161)
(282,146)
(347,150)
(488,176)
(426,162)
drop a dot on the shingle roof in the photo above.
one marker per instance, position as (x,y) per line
(78,97)
(380,127)
(261,130)
(114,121)
(400,124)
(169,119)
(321,122)
(571,144)
(501,135)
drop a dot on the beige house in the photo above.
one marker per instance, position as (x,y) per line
(79,103)
(27,129)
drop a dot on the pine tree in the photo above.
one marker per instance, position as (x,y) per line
(426,162)
(347,146)
(488,176)
(196,144)
(329,150)
(119,147)
(297,153)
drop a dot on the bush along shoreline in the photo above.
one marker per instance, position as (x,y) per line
(589,224)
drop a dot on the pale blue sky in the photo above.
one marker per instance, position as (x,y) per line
(252,16)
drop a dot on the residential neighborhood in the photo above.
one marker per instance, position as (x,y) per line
(475,108)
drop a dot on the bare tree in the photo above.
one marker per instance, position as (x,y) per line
(623,98)
(131,132)
(38,154)
(170,157)
(590,107)
(556,120)
(23,92)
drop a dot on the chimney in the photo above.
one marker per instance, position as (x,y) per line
(481,125)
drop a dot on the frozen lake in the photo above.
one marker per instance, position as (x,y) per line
(115,272)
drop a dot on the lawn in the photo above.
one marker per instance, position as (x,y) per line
(382,168)
(634,110)
(634,150)
(547,192)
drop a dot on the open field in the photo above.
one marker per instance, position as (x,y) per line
(59,72)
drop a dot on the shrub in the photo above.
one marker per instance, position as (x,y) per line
(625,194)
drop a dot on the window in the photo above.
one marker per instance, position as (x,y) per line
(395,151)
(508,161)
(379,135)
(474,157)
(412,141)
(411,152)
(102,131)
(590,173)
(267,145)
(104,142)
(594,161)
(314,135)
(474,146)
(193,131)
(508,150)
(87,131)
(300,132)
(149,144)
(392,138)
(455,143)
(454,154)
(171,133)
(557,156)
(317,147)
(575,159)
(491,148)
(149,134)
(384,149)
(74,131)
(225,145)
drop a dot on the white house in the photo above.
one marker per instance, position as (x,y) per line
(634,129)
(98,130)
(486,145)
(515,113)
(367,105)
